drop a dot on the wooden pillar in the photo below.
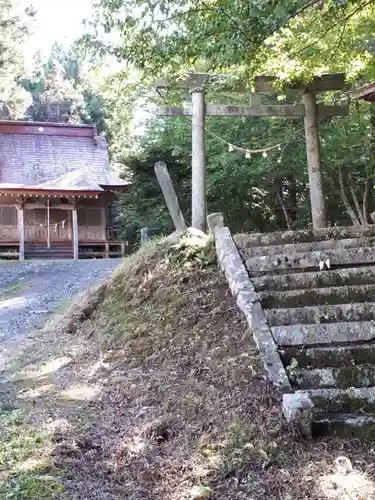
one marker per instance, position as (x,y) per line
(104,222)
(21,229)
(106,250)
(123,249)
(48,225)
(318,205)
(75,232)
(198,192)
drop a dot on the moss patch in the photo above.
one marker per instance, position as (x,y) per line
(10,291)
(24,463)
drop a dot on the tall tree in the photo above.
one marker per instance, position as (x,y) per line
(63,89)
(14,29)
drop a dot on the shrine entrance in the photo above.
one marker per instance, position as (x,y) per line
(306,107)
(43,227)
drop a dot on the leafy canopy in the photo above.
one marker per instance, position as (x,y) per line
(290,38)
(14,29)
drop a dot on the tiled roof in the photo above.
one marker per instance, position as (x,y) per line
(54,156)
(367,93)
(75,180)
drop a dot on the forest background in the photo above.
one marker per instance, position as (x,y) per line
(107,77)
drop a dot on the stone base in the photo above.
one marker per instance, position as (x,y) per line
(298,410)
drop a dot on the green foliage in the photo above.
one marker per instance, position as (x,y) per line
(13,35)
(18,445)
(263,193)
(293,38)
(245,190)
(61,89)
(336,37)
(194,253)
(292,369)
(24,487)
(144,204)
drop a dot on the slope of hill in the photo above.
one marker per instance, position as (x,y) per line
(162,396)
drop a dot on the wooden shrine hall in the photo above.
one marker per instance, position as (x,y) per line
(56,191)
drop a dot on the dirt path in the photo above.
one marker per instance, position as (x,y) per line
(31,291)
(45,386)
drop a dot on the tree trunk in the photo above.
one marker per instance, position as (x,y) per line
(370,199)
(364,201)
(345,199)
(292,203)
(356,201)
(282,205)
(253,221)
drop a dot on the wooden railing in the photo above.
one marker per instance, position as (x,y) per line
(91,233)
(104,249)
(39,233)
(9,233)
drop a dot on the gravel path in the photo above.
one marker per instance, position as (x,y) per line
(30,291)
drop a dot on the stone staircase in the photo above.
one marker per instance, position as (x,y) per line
(322,321)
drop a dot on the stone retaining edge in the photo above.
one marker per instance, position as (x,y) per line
(297,408)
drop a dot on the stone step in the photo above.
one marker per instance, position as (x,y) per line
(318,297)
(53,245)
(292,248)
(322,357)
(339,377)
(324,334)
(344,425)
(316,279)
(364,311)
(309,260)
(48,255)
(303,236)
(353,400)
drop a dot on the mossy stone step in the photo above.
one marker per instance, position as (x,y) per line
(321,314)
(315,279)
(321,357)
(309,260)
(328,333)
(344,425)
(318,296)
(303,236)
(292,248)
(330,377)
(353,400)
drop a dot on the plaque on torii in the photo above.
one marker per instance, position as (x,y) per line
(309,110)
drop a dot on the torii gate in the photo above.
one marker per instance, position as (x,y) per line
(197,82)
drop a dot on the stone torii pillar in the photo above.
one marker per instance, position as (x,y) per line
(309,110)
(312,113)
(198,159)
